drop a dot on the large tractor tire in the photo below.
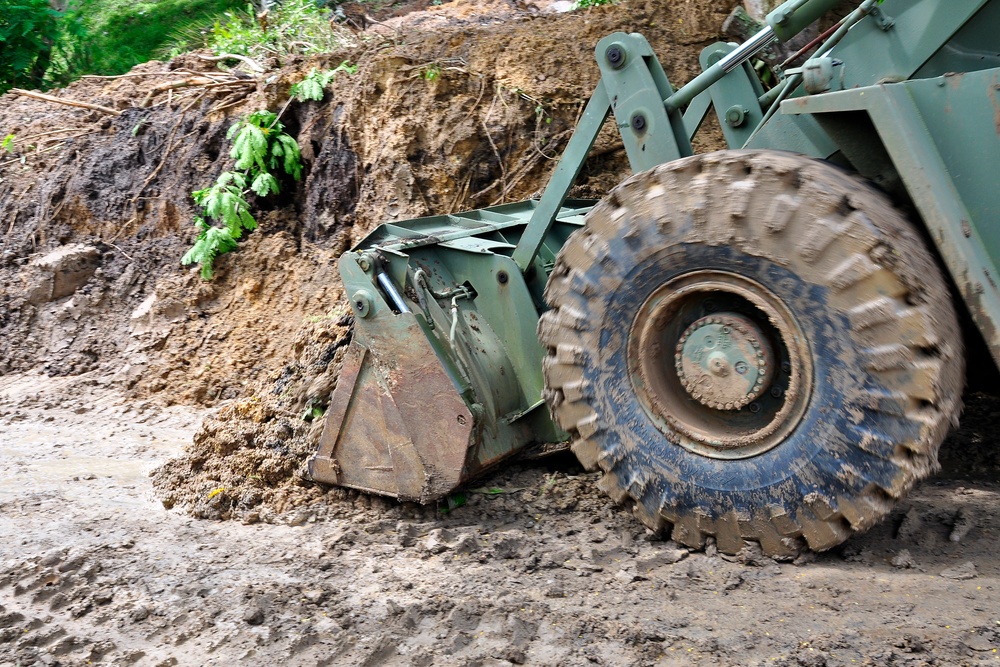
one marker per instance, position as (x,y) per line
(752,345)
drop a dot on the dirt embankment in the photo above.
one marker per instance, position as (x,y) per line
(462,106)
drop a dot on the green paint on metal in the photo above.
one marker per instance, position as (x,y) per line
(791,18)
(563,177)
(943,137)
(873,55)
(734,96)
(637,86)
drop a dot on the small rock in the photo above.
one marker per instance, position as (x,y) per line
(805,557)
(138,613)
(751,554)
(406,534)
(466,544)
(437,541)
(104,596)
(253,616)
(666,556)
(628,574)
(515,655)
(977,642)
(903,560)
(711,549)
(961,572)
(509,545)
(299,518)
(314,595)
(61,272)
(52,558)
(582,566)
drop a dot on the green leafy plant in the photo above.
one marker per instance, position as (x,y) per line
(432,72)
(294,26)
(314,410)
(260,148)
(8,143)
(581,4)
(452,502)
(312,87)
(31,34)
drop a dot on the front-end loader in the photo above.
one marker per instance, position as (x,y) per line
(761,343)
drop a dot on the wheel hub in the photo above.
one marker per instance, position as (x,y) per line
(719,364)
(724,361)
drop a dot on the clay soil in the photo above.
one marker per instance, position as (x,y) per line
(153,426)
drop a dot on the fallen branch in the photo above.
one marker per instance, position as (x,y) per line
(127,256)
(125,76)
(173,85)
(69,103)
(308,45)
(227,104)
(72,136)
(252,64)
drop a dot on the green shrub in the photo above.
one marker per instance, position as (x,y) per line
(313,86)
(260,148)
(32,41)
(295,26)
(119,34)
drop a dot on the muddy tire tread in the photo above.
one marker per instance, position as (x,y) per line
(858,248)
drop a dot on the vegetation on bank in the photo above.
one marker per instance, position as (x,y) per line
(49,43)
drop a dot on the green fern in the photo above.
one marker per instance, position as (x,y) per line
(212,241)
(312,87)
(260,148)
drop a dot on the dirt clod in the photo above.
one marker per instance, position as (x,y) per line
(961,572)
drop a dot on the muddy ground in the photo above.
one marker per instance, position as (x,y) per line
(117,362)
(537,568)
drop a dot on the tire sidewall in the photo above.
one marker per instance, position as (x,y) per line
(822,438)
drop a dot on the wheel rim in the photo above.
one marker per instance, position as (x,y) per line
(719,364)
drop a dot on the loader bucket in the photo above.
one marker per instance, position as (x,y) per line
(442,378)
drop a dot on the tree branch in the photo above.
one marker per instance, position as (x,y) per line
(70,103)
